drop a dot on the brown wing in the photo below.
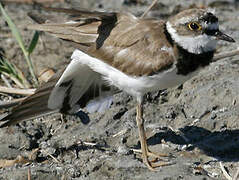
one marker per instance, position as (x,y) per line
(135,46)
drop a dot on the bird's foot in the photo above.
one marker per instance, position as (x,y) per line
(152,165)
(157,159)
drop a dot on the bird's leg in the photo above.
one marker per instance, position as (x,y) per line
(142,137)
(144,148)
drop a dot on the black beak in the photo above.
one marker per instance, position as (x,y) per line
(223,36)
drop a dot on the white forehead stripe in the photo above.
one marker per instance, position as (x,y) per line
(211,10)
(185,20)
(197,45)
(71,22)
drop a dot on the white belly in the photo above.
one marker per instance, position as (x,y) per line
(135,86)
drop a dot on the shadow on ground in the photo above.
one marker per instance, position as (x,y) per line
(223,145)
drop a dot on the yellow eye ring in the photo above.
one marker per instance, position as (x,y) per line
(194,26)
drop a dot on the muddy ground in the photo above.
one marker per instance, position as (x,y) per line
(196,123)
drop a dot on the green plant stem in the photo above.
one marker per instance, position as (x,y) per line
(31,69)
(17,82)
(18,37)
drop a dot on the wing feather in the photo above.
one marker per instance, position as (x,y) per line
(106,35)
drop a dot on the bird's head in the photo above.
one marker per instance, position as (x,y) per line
(196,30)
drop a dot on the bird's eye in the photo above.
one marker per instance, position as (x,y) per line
(194,26)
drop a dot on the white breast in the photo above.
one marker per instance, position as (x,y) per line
(135,86)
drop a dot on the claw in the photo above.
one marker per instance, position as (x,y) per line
(153,164)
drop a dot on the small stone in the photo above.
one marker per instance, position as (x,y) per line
(123,150)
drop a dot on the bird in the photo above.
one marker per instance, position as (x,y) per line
(121,52)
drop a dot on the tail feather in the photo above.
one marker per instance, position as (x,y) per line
(68,32)
(80,13)
(76,87)
(33,106)
(74,14)
(28,111)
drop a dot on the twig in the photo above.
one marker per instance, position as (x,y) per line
(148,9)
(227,176)
(225,54)
(63,177)
(136,150)
(6,81)
(4,104)
(86,143)
(17,91)
(89,144)
(50,155)
(55,130)
(120,133)
(16,81)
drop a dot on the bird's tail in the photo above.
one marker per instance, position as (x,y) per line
(33,106)
(68,91)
